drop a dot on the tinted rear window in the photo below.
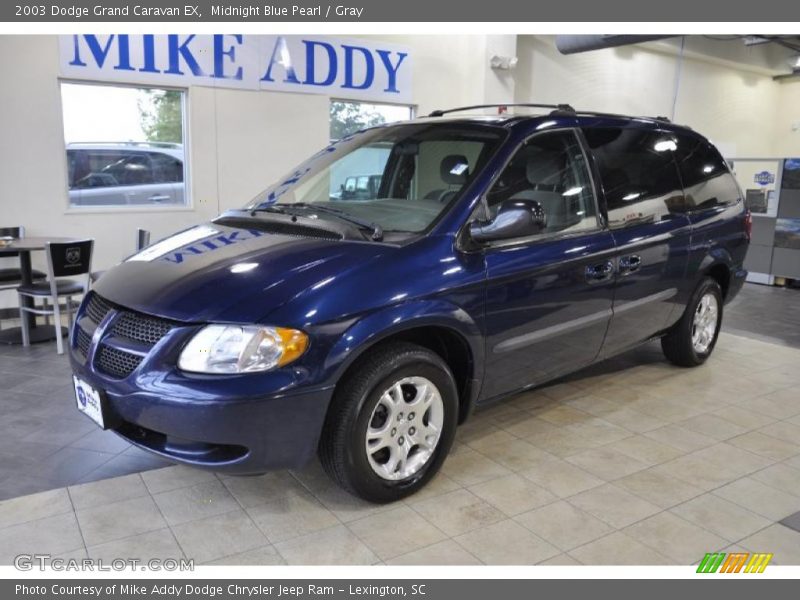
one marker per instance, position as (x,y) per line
(706,179)
(638,174)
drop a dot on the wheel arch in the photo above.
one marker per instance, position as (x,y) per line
(718,265)
(444,329)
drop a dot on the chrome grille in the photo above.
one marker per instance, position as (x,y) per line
(97,308)
(141,328)
(82,342)
(128,327)
(115,362)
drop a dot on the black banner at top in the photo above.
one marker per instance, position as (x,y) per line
(398,11)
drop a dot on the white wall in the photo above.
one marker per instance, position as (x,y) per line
(787,130)
(239,142)
(452,70)
(735,107)
(33,188)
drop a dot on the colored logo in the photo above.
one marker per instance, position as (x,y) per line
(764,178)
(734,562)
(82,397)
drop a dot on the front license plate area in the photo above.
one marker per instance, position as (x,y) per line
(90,401)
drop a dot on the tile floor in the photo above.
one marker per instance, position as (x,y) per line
(632,461)
(766,312)
(45,444)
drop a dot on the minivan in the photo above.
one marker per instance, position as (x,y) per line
(500,252)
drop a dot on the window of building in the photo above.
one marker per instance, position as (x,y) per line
(125,145)
(638,173)
(550,169)
(791,174)
(347,117)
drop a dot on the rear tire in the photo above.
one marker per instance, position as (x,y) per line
(391,423)
(692,339)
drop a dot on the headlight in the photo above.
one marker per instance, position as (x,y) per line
(241,349)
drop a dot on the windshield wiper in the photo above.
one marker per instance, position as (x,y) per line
(377,230)
(270,208)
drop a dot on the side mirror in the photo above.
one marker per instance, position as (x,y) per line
(515,219)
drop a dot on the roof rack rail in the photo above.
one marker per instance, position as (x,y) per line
(591,113)
(594,113)
(557,108)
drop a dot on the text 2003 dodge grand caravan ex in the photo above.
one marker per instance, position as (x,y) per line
(497,253)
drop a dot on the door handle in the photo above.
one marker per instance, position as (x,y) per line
(158,198)
(629,264)
(599,272)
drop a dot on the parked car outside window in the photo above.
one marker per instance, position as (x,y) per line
(125,174)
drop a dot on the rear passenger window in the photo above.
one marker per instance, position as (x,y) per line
(132,169)
(166,169)
(638,174)
(706,179)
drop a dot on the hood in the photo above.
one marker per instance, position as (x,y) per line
(223,273)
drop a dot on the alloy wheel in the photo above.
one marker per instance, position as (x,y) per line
(404,428)
(704,324)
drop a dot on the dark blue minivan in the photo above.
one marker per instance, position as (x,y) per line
(494,254)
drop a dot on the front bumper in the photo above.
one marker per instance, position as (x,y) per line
(242,435)
(242,424)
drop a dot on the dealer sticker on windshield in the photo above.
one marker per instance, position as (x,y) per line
(88,400)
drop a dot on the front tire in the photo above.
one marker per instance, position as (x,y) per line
(391,423)
(692,339)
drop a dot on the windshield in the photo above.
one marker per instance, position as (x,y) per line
(400,177)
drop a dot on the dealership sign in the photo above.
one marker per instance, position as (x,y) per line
(281,63)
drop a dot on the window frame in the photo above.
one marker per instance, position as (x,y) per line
(188,199)
(483,207)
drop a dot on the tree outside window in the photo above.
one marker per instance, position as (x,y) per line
(350,117)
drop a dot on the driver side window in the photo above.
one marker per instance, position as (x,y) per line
(549,169)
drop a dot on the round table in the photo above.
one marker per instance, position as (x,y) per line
(23,247)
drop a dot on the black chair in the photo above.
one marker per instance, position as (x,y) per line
(142,241)
(64,259)
(11,277)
